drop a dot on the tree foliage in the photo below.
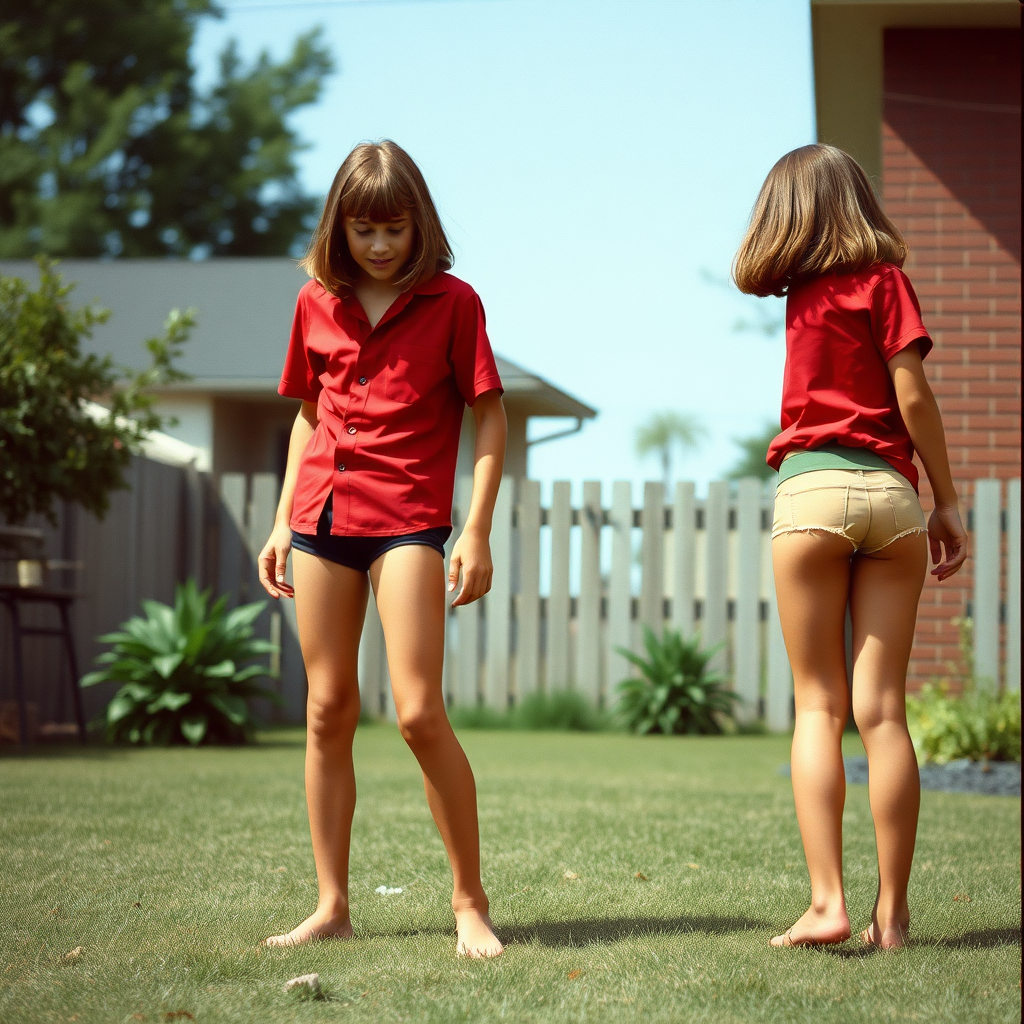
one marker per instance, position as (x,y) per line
(666,432)
(755,451)
(53,445)
(108,148)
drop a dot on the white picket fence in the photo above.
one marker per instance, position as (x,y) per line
(704,565)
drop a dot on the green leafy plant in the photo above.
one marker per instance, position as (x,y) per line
(976,724)
(183,672)
(563,710)
(676,692)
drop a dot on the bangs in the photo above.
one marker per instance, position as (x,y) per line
(377,197)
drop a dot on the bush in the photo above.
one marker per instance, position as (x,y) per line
(564,710)
(676,693)
(977,724)
(182,672)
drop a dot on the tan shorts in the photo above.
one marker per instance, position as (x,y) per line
(870,508)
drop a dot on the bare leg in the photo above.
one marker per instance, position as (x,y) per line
(410,587)
(812,575)
(884,596)
(330,602)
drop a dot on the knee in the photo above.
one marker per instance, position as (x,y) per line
(333,716)
(421,727)
(874,712)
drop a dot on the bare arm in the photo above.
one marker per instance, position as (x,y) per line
(924,422)
(472,552)
(273,558)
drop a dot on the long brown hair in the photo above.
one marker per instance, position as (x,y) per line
(380,182)
(816,213)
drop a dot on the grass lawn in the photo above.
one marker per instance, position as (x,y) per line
(631,879)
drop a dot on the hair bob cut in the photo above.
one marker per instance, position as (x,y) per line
(816,214)
(380,182)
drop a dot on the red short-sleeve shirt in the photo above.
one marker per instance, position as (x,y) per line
(390,401)
(841,330)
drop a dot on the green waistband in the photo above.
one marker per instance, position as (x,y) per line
(831,456)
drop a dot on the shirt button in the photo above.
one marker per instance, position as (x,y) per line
(351,430)
(341,467)
(362,380)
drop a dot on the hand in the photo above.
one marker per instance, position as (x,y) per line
(946,531)
(273,562)
(472,556)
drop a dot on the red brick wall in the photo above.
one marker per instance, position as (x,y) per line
(951,182)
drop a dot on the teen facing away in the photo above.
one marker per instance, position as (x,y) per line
(386,351)
(849,528)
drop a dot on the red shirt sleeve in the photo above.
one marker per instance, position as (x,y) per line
(896,315)
(471,355)
(301,375)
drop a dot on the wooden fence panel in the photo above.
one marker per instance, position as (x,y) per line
(716,570)
(986,582)
(588,646)
(652,574)
(620,591)
(747,632)
(498,603)
(1013,585)
(560,521)
(528,598)
(684,550)
(779,703)
(467,620)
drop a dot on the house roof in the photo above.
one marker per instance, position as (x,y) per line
(244,310)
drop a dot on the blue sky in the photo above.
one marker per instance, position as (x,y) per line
(592,162)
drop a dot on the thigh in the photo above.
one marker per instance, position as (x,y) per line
(330,604)
(812,579)
(884,594)
(409,584)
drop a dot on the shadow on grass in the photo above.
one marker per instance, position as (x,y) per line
(585,932)
(988,938)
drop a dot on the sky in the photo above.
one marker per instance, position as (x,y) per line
(594,164)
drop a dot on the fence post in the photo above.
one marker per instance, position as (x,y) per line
(684,544)
(560,521)
(620,594)
(716,570)
(588,636)
(652,578)
(373,673)
(746,634)
(498,603)
(528,599)
(986,583)
(1013,585)
(467,618)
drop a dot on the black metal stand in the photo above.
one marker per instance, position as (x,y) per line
(61,600)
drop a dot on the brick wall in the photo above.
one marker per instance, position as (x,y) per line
(951,182)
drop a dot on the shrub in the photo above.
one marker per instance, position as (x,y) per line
(676,692)
(182,673)
(564,710)
(977,724)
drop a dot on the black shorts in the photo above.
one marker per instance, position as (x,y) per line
(360,553)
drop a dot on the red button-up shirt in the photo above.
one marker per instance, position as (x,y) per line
(841,331)
(390,401)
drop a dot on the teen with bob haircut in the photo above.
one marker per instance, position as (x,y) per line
(849,529)
(386,350)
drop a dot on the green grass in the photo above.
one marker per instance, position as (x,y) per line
(167,867)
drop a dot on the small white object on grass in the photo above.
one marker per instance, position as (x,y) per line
(387,891)
(305,986)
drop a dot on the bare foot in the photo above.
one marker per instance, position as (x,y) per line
(319,925)
(475,936)
(826,928)
(893,936)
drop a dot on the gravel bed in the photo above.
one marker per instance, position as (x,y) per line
(989,778)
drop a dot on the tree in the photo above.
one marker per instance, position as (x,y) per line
(755,451)
(55,445)
(666,432)
(108,149)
